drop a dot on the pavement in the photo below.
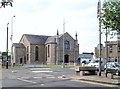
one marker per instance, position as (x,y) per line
(99,79)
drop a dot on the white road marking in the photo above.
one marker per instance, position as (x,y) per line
(42,77)
(41,71)
(42,84)
(39,68)
(14,71)
(26,80)
(37,77)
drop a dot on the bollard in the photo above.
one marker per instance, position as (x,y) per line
(111,75)
(78,73)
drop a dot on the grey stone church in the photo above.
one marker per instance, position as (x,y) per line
(41,49)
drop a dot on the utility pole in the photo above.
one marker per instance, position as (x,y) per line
(7,48)
(106,51)
(99,13)
(63,65)
(118,42)
(12,39)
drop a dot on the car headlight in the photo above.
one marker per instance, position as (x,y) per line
(117,73)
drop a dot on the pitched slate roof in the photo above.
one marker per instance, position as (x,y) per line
(36,39)
(18,45)
(113,42)
(42,39)
(51,40)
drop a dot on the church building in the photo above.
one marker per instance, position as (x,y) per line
(41,49)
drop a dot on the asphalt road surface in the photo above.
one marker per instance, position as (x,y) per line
(44,77)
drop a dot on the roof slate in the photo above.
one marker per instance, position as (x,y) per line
(51,40)
(36,39)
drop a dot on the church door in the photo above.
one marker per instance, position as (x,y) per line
(66,58)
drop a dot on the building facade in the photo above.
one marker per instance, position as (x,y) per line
(40,49)
(113,51)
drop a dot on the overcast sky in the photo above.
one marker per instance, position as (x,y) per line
(44,17)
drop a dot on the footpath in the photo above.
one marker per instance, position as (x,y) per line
(99,79)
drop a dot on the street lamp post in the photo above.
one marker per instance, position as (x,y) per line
(7,48)
(12,39)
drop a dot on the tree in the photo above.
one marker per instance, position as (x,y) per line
(110,15)
(4,54)
(6,3)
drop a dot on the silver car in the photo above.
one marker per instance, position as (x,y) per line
(113,66)
(95,63)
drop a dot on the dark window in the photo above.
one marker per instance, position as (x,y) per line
(66,44)
(110,49)
(48,50)
(27,48)
(21,60)
(36,53)
(27,57)
(118,48)
(46,54)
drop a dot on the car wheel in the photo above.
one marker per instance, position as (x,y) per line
(118,73)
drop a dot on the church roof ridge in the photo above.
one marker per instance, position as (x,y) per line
(36,39)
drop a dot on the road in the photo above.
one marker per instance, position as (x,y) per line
(43,77)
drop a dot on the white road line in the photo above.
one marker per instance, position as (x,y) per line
(42,84)
(41,71)
(43,77)
(40,68)
(26,80)
(37,77)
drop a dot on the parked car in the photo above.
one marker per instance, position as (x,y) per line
(85,60)
(113,66)
(95,63)
(82,60)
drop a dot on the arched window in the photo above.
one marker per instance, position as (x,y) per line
(66,44)
(36,53)
(48,50)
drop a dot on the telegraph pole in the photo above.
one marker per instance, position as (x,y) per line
(7,48)
(12,39)
(63,65)
(106,51)
(99,13)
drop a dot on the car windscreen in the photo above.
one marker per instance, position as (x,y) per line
(117,64)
